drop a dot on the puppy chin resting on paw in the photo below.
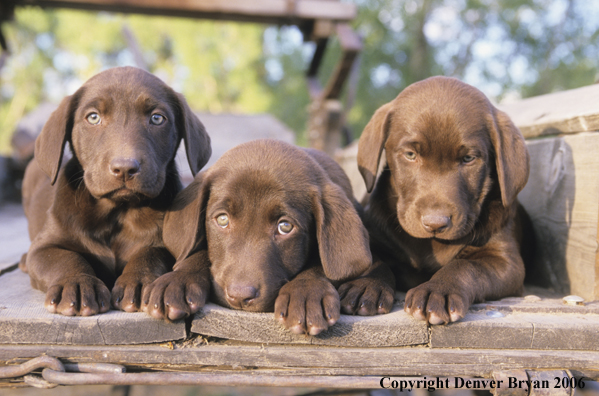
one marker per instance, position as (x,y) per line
(269,226)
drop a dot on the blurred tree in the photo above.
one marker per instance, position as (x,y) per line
(218,66)
(507,48)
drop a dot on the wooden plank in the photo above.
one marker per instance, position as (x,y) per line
(569,111)
(481,331)
(360,331)
(324,125)
(562,198)
(542,306)
(24,320)
(519,331)
(260,11)
(294,359)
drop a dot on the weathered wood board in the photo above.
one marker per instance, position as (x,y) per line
(394,329)
(569,111)
(562,199)
(512,323)
(318,360)
(520,331)
(24,320)
(260,11)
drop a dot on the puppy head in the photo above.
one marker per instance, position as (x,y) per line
(266,210)
(448,148)
(124,126)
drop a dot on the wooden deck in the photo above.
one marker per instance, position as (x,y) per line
(537,333)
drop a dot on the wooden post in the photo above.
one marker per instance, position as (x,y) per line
(324,127)
(326,111)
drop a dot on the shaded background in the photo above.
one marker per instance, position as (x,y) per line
(507,48)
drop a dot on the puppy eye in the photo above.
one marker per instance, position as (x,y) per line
(284,227)
(157,119)
(410,155)
(93,118)
(222,220)
(468,158)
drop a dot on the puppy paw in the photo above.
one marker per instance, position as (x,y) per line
(176,295)
(128,289)
(307,306)
(366,296)
(436,303)
(83,295)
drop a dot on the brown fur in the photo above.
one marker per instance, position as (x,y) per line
(251,264)
(443,214)
(98,219)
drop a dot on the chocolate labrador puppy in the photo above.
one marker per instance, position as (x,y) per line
(99,218)
(269,225)
(444,213)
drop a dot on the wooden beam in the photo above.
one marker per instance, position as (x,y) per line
(561,198)
(217,356)
(259,11)
(351,45)
(569,111)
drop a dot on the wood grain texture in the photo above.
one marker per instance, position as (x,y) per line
(569,111)
(394,329)
(520,331)
(24,320)
(317,360)
(260,11)
(562,199)
(543,306)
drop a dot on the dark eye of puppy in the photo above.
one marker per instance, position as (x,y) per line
(222,220)
(284,227)
(93,118)
(157,119)
(468,159)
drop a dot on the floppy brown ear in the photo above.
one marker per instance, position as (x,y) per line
(343,241)
(184,228)
(371,143)
(511,156)
(197,141)
(49,145)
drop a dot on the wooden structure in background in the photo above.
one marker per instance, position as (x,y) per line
(318,20)
(562,194)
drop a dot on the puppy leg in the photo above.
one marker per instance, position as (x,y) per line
(182,292)
(308,304)
(370,294)
(69,281)
(446,297)
(142,269)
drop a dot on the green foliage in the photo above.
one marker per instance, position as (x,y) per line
(219,67)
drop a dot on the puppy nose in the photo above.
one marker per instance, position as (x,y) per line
(124,168)
(241,295)
(436,223)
